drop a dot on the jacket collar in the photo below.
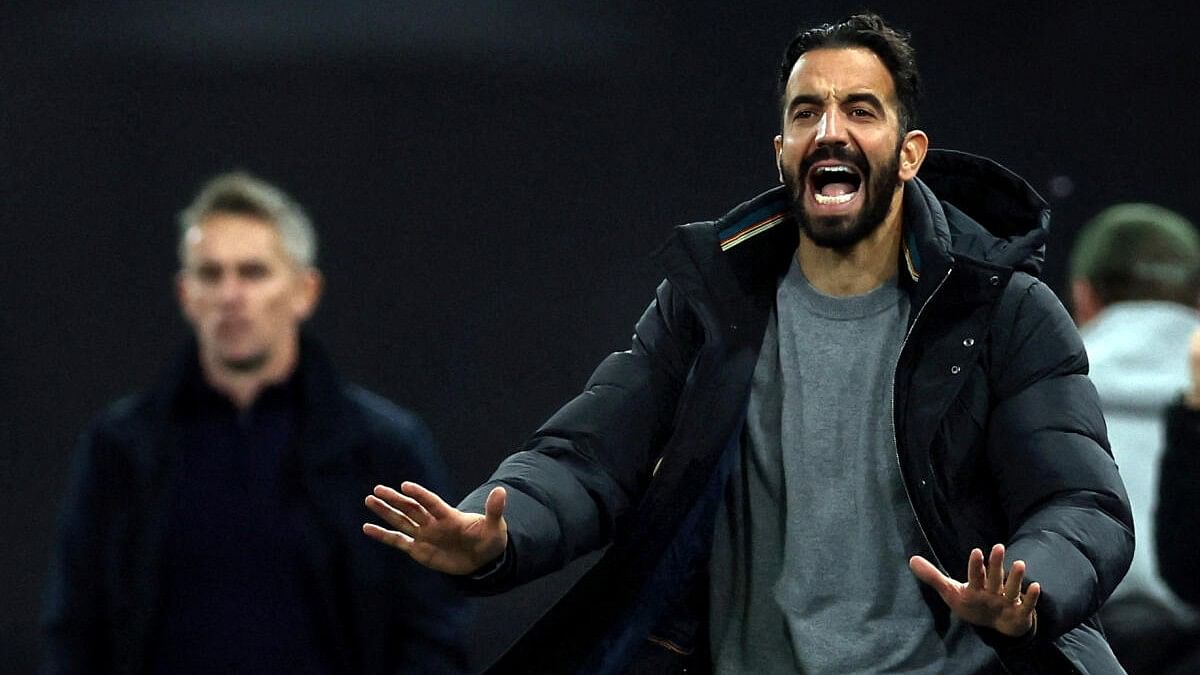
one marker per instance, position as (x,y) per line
(962,206)
(735,262)
(325,436)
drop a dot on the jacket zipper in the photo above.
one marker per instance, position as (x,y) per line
(895,440)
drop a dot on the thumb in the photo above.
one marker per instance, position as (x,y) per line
(928,573)
(493,509)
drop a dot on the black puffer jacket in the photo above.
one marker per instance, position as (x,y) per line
(999,435)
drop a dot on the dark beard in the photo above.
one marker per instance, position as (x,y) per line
(840,232)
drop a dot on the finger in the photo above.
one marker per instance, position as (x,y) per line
(393,497)
(493,509)
(409,506)
(928,573)
(381,508)
(1030,597)
(1012,585)
(976,574)
(390,515)
(995,569)
(391,538)
(427,499)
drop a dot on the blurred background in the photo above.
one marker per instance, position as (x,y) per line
(488,180)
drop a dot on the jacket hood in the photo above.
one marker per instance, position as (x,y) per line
(976,207)
(960,205)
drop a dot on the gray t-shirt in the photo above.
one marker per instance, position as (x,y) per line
(809,569)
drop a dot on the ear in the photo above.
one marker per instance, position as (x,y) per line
(183,296)
(912,154)
(312,284)
(1085,301)
(779,156)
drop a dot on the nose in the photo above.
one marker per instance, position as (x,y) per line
(831,130)
(230,289)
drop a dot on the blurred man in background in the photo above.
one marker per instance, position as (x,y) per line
(211,523)
(1135,270)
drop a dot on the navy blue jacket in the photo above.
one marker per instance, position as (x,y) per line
(999,435)
(388,614)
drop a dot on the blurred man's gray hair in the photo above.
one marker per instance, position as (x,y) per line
(241,193)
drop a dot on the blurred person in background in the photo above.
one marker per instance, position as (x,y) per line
(210,524)
(1135,277)
(1179,504)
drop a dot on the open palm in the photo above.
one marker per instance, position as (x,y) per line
(436,534)
(988,598)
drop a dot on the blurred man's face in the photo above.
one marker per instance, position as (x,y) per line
(840,146)
(243,294)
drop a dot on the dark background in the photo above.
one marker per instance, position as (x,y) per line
(488,179)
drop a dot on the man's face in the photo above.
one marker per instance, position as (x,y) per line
(243,294)
(840,149)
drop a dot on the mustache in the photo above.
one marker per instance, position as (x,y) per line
(839,153)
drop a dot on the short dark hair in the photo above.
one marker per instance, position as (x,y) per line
(1139,251)
(871,32)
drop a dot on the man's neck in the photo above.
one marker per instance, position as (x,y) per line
(859,269)
(243,387)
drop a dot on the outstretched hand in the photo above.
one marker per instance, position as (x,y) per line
(988,598)
(436,534)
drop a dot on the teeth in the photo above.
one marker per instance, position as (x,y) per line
(829,169)
(840,199)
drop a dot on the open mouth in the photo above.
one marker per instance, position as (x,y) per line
(834,183)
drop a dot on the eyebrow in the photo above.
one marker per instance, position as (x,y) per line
(864,97)
(804,99)
(859,97)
